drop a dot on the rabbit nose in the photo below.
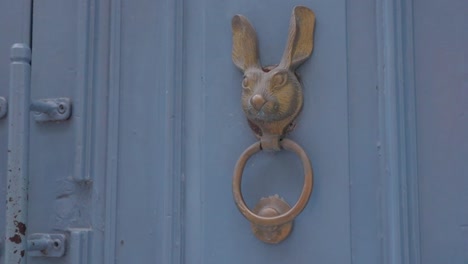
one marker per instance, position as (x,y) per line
(257,101)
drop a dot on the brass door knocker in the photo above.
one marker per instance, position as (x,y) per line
(271,100)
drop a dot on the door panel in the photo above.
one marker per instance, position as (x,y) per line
(142,160)
(441,74)
(60,179)
(217,132)
(52,75)
(51,191)
(363,125)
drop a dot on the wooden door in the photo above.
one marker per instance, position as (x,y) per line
(142,171)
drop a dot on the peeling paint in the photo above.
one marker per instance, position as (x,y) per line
(21,227)
(16,239)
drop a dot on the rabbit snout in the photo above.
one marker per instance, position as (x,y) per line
(261,107)
(257,101)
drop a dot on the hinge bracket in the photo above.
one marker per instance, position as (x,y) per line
(46,245)
(55,109)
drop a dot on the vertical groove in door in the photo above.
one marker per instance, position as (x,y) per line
(31,19)
(83,100)
(195,112)
(348,135)
(174,183)
(113,134)
(203,139)
(399,213)
(363,131)
(408,112)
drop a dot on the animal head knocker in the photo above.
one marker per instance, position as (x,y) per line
(272,96)
(272,99)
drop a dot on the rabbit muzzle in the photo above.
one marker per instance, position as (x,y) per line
(257,101)
(263,109)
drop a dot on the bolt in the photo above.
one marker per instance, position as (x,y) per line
(61,108)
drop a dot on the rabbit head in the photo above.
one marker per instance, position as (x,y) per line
(272,97)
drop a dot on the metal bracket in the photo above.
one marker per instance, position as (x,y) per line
(3,107)
(55,109)
(46,245)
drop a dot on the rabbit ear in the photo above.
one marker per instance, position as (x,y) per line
(244,43)
(301,38)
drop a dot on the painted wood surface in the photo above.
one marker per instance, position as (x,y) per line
(15,25)
(142,171)
(441,82)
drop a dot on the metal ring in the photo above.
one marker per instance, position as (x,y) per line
(296,209)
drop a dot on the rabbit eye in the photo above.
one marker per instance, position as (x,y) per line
(245,83)
(279,79)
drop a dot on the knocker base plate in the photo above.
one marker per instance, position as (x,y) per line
(270,207)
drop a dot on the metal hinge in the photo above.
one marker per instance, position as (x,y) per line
(76,243)
(55,109)
(55,245)
(46,245)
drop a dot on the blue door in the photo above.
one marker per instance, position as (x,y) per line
(142,170)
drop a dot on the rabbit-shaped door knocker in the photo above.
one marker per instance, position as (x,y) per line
(271,99)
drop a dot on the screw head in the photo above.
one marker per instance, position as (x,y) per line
(61,108)
(56,243)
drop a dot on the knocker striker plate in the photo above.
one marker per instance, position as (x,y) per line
(272,218)
(268,207)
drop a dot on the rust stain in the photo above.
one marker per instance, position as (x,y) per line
(21,227)
(15,239)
